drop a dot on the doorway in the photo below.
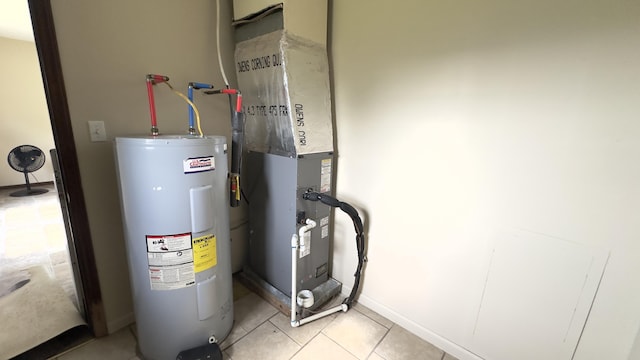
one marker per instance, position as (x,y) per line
(35,259)
(72,199)
(31,226)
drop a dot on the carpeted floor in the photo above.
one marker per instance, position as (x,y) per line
(34,313)
(34,253)
(32,233)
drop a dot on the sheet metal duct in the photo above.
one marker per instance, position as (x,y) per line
(285,82)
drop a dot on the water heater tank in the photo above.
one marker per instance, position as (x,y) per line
(176,223)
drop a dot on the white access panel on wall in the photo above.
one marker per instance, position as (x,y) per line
(537,297)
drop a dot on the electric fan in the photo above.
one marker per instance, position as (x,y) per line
(26,159)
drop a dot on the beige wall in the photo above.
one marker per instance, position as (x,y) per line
(106,49)
(24,117)
(455,119)
(452,120)
(635,352)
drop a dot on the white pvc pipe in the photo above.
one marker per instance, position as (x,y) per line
(294,271)
(224,76)
(303,229)
(341,307)
(310,224)
(295,245)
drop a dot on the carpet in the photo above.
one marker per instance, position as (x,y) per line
(33,309)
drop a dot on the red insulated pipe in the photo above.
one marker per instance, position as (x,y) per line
(153,79)
(157,79)
(238,99)
(239,103)
(152,106)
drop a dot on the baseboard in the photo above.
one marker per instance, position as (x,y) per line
(120,323)
(443,343)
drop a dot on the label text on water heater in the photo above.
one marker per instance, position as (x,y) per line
(199,164)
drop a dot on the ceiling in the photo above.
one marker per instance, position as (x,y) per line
(15,21)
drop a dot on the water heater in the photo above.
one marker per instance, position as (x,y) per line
(176,222)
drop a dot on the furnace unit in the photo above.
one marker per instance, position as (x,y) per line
(284,77)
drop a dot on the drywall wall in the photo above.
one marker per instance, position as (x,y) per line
(106,49)
(635,352)
(458,121)
(24,117)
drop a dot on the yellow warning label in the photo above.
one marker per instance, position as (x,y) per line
(205,255)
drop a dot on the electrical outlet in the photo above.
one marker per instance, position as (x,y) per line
(97,131)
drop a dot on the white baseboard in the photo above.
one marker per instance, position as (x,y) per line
(120,323)
(443,343)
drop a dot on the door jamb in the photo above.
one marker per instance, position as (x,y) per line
(53,79)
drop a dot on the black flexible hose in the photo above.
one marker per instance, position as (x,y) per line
(359,228)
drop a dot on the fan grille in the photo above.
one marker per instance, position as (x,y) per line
(26,158)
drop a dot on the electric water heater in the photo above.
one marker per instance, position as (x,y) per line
(176,222)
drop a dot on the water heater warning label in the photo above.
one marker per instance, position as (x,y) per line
(205,255)
(171,264)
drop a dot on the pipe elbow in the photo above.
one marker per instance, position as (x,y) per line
(310,224)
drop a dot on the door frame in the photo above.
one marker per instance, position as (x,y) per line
(54,88)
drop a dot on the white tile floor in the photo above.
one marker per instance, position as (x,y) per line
(261,332)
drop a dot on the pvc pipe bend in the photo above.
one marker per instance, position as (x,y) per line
(310,224)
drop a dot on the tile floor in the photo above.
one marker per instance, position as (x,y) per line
(261,332)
